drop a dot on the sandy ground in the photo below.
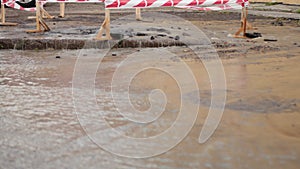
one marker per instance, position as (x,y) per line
(260,125)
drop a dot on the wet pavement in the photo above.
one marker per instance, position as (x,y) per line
(40,129)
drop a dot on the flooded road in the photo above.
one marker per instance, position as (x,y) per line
(260,127)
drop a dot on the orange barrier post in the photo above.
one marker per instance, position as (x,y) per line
(105,27)
(3,21)
(245,25)
(39,21)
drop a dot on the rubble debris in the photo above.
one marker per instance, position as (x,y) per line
(161,30)
(253,35)
(270,40)
(277,22)
(141,34)
(162,35)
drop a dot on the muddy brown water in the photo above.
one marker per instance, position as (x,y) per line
(40,129)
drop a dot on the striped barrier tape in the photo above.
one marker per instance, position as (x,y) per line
(189,4)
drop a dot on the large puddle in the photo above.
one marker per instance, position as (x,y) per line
(260,127)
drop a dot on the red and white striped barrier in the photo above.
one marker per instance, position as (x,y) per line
(190,4)
(205,5)
(118,4)
(73,1)
(13,4)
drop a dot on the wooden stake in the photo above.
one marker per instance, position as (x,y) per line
(37,17)
(244,21)
(39,21)
(45,14)
(105,27)
(3,23)
(62,10)
(138,14)
(3,13)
